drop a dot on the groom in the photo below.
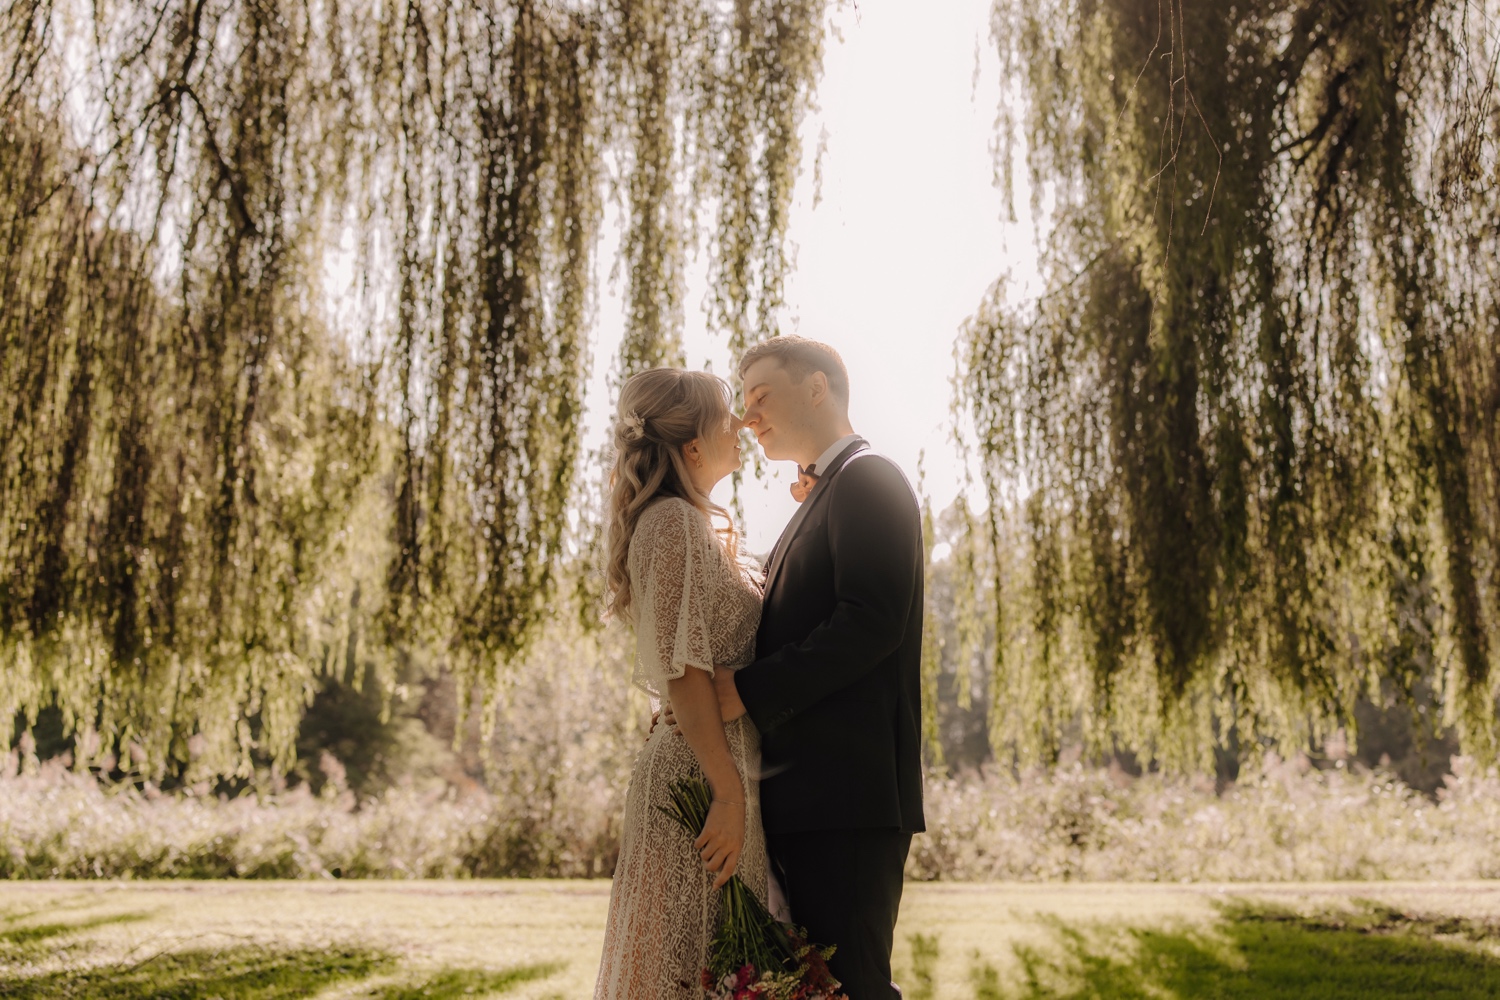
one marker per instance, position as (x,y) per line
(834,689)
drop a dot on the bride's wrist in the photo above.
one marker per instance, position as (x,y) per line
(729,792)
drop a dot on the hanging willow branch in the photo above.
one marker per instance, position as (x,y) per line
(1241,455)
(293,314)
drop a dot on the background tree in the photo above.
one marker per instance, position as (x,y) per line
(1242,454)
(293,306)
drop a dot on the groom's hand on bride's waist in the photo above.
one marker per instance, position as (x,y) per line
(663,716)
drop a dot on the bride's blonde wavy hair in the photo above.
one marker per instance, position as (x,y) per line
(660,411)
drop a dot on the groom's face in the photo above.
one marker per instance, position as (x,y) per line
(777,410)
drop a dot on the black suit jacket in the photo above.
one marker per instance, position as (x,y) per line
(835,689)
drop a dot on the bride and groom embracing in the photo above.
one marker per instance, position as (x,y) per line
(794,693)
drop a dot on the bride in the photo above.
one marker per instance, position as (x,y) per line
(695,603)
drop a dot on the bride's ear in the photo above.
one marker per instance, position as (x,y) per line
(693,453)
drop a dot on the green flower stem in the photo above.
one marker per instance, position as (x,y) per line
(747,933)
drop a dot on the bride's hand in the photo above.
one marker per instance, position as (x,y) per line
(722,839)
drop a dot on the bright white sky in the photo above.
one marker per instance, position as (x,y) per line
(899,251)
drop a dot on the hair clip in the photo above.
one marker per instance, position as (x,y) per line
(632,426)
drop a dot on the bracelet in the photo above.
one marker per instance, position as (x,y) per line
(730,802)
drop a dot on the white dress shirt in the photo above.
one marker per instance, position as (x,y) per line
(832,453)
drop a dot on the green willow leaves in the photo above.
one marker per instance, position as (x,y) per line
(294,313)
(1242,453)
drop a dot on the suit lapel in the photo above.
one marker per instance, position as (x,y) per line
(789,533)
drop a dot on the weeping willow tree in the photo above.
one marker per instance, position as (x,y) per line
(1242,454)
(294,312)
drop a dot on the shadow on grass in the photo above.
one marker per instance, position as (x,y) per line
(258,973)
(453,983)
(1260,953)
(243,973)
(36,934)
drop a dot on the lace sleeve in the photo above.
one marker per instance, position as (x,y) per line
(670,576)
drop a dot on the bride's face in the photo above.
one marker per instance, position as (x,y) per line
(718,452)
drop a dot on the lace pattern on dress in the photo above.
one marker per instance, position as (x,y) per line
(680,578)
(694,606)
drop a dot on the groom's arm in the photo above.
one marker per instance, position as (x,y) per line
(875,534)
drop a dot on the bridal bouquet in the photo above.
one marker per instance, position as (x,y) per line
(753,956)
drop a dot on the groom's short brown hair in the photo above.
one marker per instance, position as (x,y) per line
(801,357)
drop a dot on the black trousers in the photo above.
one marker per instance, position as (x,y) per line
(844,886)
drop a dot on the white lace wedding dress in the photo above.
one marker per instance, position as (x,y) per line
(694,608)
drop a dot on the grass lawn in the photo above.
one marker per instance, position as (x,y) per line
(539,939)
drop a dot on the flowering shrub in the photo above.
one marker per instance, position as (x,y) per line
(1287,823)
(58,824)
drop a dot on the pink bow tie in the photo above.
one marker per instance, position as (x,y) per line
(806,480)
